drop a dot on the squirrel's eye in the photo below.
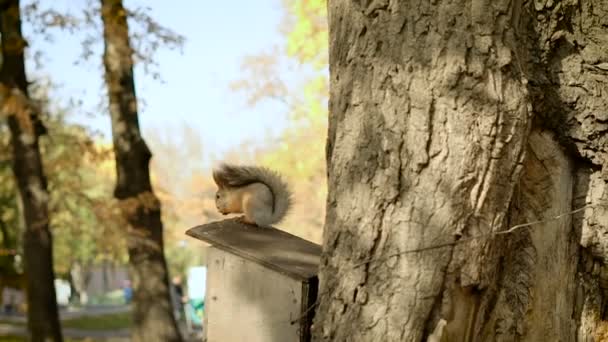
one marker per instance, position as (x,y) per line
(217,196)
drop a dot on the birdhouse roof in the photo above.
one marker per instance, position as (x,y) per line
(270,247)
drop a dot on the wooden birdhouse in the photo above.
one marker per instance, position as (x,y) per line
(261,283)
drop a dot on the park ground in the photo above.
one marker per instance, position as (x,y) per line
(96,323)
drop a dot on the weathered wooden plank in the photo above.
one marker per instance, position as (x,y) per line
(270,247)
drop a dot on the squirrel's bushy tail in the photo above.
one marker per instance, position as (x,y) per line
(238,176)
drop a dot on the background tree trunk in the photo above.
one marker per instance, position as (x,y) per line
(25,128)
(450,119)
(153,315)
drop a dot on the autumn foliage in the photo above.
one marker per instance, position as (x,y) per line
(85,218)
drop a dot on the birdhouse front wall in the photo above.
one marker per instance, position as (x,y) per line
(246,301)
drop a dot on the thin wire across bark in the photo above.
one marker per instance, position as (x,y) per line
(511,230)
(475,237)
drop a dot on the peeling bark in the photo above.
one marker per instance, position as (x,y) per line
(153,315)
(450,119)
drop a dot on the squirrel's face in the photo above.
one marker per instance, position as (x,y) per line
(223,201)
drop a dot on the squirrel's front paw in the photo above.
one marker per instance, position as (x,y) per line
(243,219)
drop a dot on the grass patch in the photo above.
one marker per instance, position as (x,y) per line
(114,321)
(7,322)
(12,339)
(100,322)
(23,339)
(110,298)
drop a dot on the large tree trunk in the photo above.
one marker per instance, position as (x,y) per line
(25,128)
(452,119)
(153,316)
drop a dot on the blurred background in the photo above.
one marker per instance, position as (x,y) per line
(243,81)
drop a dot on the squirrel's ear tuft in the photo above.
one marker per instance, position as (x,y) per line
(217,178)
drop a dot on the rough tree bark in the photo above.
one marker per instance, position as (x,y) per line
(450,119)
(26,129)
(153,316)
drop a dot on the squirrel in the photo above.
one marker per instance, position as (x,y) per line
(257,192)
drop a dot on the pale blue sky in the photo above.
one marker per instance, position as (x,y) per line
(218,35)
